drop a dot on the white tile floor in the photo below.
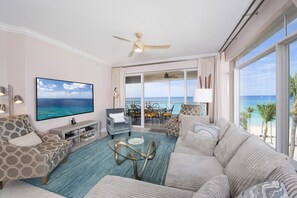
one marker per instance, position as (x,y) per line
(19,189)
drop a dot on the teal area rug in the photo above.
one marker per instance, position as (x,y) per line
(85,167)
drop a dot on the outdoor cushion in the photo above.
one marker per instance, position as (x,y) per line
(272,189)
(223,125)
(190,172)
(217,187)
(252,164)
(188,121)
(30,139)
(120,187)
(230,143)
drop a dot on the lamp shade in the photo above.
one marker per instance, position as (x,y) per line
(203,95)
(18,99)
(2,91)
(2,108)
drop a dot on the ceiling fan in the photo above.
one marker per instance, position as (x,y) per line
(138,46)
(166,75)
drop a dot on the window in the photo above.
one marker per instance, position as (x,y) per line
(192,83)
(292,20)
(293,98)
(258,98)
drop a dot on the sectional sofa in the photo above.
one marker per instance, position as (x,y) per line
(240,164)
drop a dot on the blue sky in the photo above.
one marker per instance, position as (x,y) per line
(62,89)
(259,78)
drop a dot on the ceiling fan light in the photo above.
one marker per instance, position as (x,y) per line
(138,50)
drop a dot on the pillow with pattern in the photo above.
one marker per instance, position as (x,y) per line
(273,189)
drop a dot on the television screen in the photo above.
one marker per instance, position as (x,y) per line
(59,98)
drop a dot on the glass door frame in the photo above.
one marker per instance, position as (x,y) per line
(142,89)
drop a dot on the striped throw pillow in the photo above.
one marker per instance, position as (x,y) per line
(31,139)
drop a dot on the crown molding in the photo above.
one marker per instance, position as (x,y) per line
(51,41)
(169,60)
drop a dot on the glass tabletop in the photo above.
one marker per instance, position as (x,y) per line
(134,148)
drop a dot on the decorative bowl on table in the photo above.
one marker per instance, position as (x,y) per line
(136,141)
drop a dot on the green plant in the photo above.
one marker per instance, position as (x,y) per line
(249,111)
(268,114)
(293,92)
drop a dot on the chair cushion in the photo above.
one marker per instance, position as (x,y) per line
(252,164)
(190,172)
(196,110)
(287,175)
(188,121)
(223,125)
(230,143)
(30,139)
(12,127)
(115,186)
(117,117)
(273,189)
(217,187)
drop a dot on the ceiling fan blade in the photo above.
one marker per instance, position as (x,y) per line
(132,51)
(152,47)
(121,38)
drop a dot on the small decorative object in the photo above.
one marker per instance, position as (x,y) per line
(115,96)
(136,141)
(73,122)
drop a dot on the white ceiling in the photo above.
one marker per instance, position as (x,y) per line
(192,27)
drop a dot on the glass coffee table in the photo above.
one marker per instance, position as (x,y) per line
(134,149)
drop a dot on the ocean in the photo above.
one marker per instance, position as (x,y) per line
(52,108)
(245,101)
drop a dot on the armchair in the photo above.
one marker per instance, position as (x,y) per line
(18,162)
(114,128)
(172,125)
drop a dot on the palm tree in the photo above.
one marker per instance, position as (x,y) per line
(243,120)
(267,113)
(249,111)
(293,92)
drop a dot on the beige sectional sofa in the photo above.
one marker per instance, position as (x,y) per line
(243,158)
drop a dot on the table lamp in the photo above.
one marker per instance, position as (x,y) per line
(203,96)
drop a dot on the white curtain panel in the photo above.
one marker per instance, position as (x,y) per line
(206,66)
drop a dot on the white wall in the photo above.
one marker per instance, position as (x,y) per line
(28,58)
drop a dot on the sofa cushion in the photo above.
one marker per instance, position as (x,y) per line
(252,164)
(201,141)
(187,122)
(273,189)
(30,139)
(232,140)
(190,172)
(217,187)
(223,125)
(287,175)
(117,117)
(115,186)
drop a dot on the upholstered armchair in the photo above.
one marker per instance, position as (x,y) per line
(172,125)
(22,162)
(117,122)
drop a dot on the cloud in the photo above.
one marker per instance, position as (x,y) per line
(73,86)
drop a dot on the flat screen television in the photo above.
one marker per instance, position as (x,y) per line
(60,98)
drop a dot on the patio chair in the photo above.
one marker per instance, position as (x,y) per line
(114,126)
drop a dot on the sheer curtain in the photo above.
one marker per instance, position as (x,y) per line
(216,66)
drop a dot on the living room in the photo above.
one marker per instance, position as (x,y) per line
(148,63)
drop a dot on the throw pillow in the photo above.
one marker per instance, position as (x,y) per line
(217,187)
(272,189)
(223,125)
(188,121)
(31,139)
(117,117)
(213,131)
(202,141)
